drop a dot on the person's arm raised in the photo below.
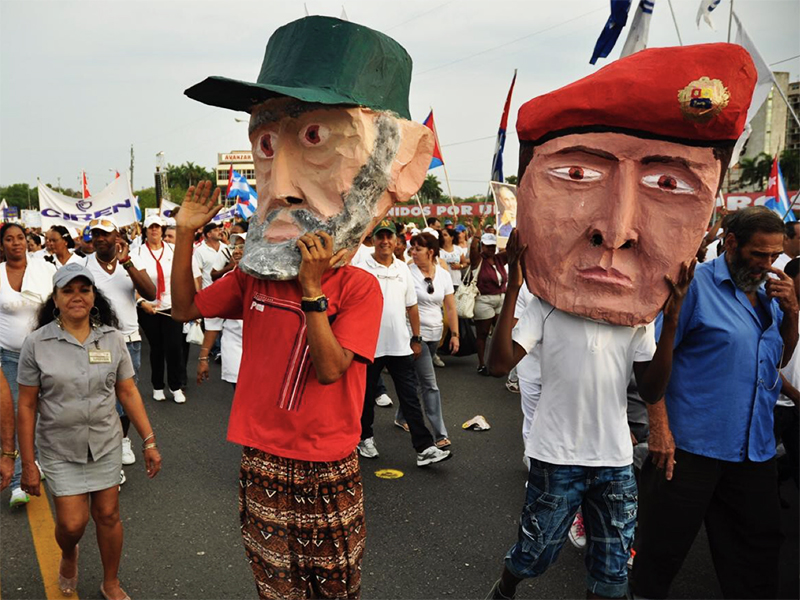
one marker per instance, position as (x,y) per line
(198,208)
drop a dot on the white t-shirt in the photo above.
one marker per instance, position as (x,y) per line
(208,260)
(17,314)
(529,369)
(398,294)
(361,255)
(453,259)
(231,348)
(147,261)
(431,321)
(581,418)
(118,288)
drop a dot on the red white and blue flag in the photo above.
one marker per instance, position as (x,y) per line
(776,188)
(497,160)
(437,160)
(246,197)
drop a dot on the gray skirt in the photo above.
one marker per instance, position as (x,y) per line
(66,478)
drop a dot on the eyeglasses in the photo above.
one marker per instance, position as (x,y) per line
(429,281)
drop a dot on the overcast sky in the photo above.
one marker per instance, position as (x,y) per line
(82,80)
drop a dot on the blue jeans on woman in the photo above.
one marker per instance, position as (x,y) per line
(429,391)
(608,497)
(10,361)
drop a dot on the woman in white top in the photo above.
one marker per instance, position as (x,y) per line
(164,335)
(454,255)
(18,308)
(434,288)
(59,244)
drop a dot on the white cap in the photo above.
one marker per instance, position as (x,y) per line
(153,220)
(432,231)
(489,239)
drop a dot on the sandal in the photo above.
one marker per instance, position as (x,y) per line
(483,371)
(403,426)
(68,585)
(443,443)
(103,592)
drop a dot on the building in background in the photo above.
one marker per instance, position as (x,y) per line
(242,161)
(792,128)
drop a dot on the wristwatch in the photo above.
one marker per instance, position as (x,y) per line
(13,454)
(318,304)
(416,339)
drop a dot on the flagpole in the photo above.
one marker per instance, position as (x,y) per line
(674,20)
(421,210)
(444,164)
(730,22)
(794,201)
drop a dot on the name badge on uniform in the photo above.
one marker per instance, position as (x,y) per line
(99,356)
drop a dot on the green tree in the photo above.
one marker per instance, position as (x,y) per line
(755,171)
(790,167)
(147,198)
(431,190)
(20,195)
(512,179)
(188,174)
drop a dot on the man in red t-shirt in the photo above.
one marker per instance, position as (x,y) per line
(331,156)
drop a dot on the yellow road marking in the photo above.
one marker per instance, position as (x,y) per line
(388,474)
(43,530)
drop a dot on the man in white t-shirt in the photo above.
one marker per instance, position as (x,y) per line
(211,255)
(119,286)
(397,349)
(579,444)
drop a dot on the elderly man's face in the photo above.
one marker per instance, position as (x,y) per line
(317,169)
(607,216)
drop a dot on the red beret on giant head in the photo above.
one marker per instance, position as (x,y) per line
(694,95)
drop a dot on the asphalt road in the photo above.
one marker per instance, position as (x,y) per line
(439,532)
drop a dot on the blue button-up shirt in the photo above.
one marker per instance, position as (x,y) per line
(725,378)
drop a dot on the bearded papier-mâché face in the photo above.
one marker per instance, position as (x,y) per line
(324,168)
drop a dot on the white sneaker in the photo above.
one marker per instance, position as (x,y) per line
(18,498)
(383,400)
(432,455)
(178,396)
(128,457)
(158,395)
(367,449)
(437,362)
(577,533)
(122,478)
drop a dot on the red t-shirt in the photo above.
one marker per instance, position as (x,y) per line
(279,406)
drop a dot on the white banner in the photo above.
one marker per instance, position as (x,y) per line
(115,203)
(167,207)
(225,214)
(32,218)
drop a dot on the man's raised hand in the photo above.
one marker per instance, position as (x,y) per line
(199,206)
(783,290)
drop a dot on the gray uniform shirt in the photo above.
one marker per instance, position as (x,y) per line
(77,403)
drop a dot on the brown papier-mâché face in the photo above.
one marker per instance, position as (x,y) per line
(607,216)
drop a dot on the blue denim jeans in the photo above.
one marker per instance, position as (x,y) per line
(10,362)
(608,497)
(429,391)
(135,351)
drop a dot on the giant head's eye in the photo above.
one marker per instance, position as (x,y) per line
(575,173)
(314,134)
(667,183)
(266,145)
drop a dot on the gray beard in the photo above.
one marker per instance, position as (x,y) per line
(281,260)
(740,273)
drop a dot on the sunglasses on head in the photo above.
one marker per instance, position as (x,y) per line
(101,223)
(429,281)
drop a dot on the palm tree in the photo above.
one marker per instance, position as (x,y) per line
(431,190)
(755,171)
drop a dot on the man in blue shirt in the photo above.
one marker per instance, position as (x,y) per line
(736,329)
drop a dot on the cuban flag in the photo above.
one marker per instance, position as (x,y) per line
(497,159)
(85,193)
(776,189)
(704,12)
(437,160)
(614,25)
(246,197)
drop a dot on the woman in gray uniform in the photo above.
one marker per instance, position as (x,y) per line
(70,370)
